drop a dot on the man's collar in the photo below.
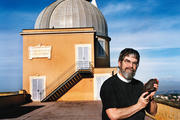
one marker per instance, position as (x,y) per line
(123,79)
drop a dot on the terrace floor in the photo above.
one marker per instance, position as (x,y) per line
(55,111)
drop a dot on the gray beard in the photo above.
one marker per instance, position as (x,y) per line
(128,76)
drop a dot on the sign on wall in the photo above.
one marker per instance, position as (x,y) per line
(39,52)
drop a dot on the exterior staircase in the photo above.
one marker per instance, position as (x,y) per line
(68,84)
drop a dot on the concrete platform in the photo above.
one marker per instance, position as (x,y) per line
(55,111)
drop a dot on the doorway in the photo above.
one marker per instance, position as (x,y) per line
(37,87)
(98,81)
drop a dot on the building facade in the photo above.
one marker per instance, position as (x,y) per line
(67,56)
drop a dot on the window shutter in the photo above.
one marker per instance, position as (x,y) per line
(34,89)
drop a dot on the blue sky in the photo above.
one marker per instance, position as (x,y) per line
(150,26)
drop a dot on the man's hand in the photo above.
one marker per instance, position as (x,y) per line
(152,106)
(154,92)
(143,101)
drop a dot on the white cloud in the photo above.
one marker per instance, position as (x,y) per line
(145,33)
(146,24)
(159,68)
(118,49)
(126,6)
(114,8)
(145,40)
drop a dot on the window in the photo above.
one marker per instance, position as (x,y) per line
(101,48)
(83,56)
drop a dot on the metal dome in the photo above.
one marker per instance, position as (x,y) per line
(72,14)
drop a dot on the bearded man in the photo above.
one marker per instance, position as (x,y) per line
(122,95)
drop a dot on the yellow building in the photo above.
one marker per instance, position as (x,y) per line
(66,57)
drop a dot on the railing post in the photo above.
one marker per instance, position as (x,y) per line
(83,65)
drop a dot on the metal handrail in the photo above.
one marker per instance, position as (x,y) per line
(84,65)
(67,74)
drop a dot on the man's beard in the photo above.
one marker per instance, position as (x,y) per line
(127,75)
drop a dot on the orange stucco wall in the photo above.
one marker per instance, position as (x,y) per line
(105,70)
(84,90)
(62,54)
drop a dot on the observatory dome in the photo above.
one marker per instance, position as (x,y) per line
(72,14)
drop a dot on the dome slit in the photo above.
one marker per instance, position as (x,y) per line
(82,14)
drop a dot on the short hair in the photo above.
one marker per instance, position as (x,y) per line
(128,51)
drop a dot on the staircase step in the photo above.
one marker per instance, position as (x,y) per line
(75,79)
(53,98)
(59,92)
(71,83)
(78,76)
(68,84)
(63,88)
(62,91)
(55,95)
